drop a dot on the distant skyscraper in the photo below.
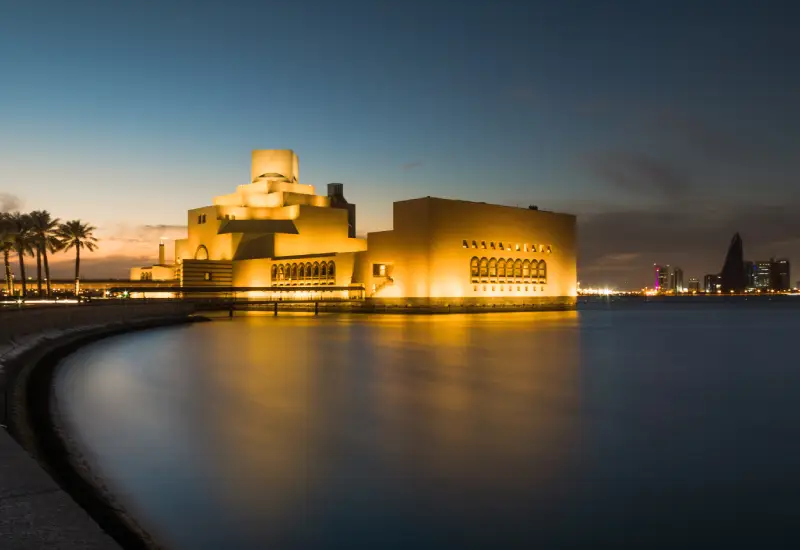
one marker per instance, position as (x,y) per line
(780,275)
(749,275)
(733,277)
(694,284)
(662,278)
(762,275)
(676,280)
(712,283)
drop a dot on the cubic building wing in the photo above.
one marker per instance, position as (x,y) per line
(275,236)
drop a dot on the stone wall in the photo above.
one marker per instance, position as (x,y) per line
(19,325)
(34,510)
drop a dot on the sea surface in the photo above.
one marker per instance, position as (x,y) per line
(626,424)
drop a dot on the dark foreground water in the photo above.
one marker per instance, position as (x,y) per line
(622,427)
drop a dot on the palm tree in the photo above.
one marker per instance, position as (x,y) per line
(76,234)
(7,245)
(45,228)
(24,241)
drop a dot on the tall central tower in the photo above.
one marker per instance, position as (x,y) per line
(273,164)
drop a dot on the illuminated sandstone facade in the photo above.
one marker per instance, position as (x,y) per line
(274,236)
(451,251)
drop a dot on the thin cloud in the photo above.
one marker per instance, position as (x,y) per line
(411,166)
(524,94)
(93,267)
(9,202)
(641,174)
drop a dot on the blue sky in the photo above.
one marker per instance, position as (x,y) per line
(664,126)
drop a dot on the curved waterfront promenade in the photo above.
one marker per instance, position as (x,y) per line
(35,510)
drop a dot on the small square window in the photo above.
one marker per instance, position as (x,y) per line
(475,288)
(207,276)
(533,248)
(516,247)
(526,289)
(500,246)
(483,245)
(491,245)
(484,288)
(549,250)
(464,244)
(525,247)
(474,244)
(379,270)
(492,289)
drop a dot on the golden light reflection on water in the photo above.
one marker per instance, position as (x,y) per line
(308,402)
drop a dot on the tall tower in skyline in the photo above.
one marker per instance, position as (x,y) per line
(733,276)
(661,278)
(780,276)
(676,280)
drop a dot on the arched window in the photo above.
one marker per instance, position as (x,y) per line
(315,270)
(201,253)
(294,272)
(281,273)
(301,272)
(484,268)
(323,270)
(332,272)
(473,269)
(526,270)
(308,271)
(493,269)
(274,272)
(518,269)
(542,272)
(501,268)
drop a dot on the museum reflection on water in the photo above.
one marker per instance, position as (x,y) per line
(444,407)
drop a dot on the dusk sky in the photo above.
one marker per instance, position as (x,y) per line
(665,126)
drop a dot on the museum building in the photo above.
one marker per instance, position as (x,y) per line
(274,237)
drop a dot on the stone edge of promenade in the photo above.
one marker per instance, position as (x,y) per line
(34,511)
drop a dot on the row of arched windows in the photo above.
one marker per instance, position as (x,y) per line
(524,247)
(323,273)
(492,269)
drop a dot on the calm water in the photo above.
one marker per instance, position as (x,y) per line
(634,427)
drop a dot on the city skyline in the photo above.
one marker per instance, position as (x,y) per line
(663,137)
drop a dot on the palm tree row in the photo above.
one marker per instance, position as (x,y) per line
(39,234)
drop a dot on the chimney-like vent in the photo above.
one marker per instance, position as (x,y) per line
(335,189)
